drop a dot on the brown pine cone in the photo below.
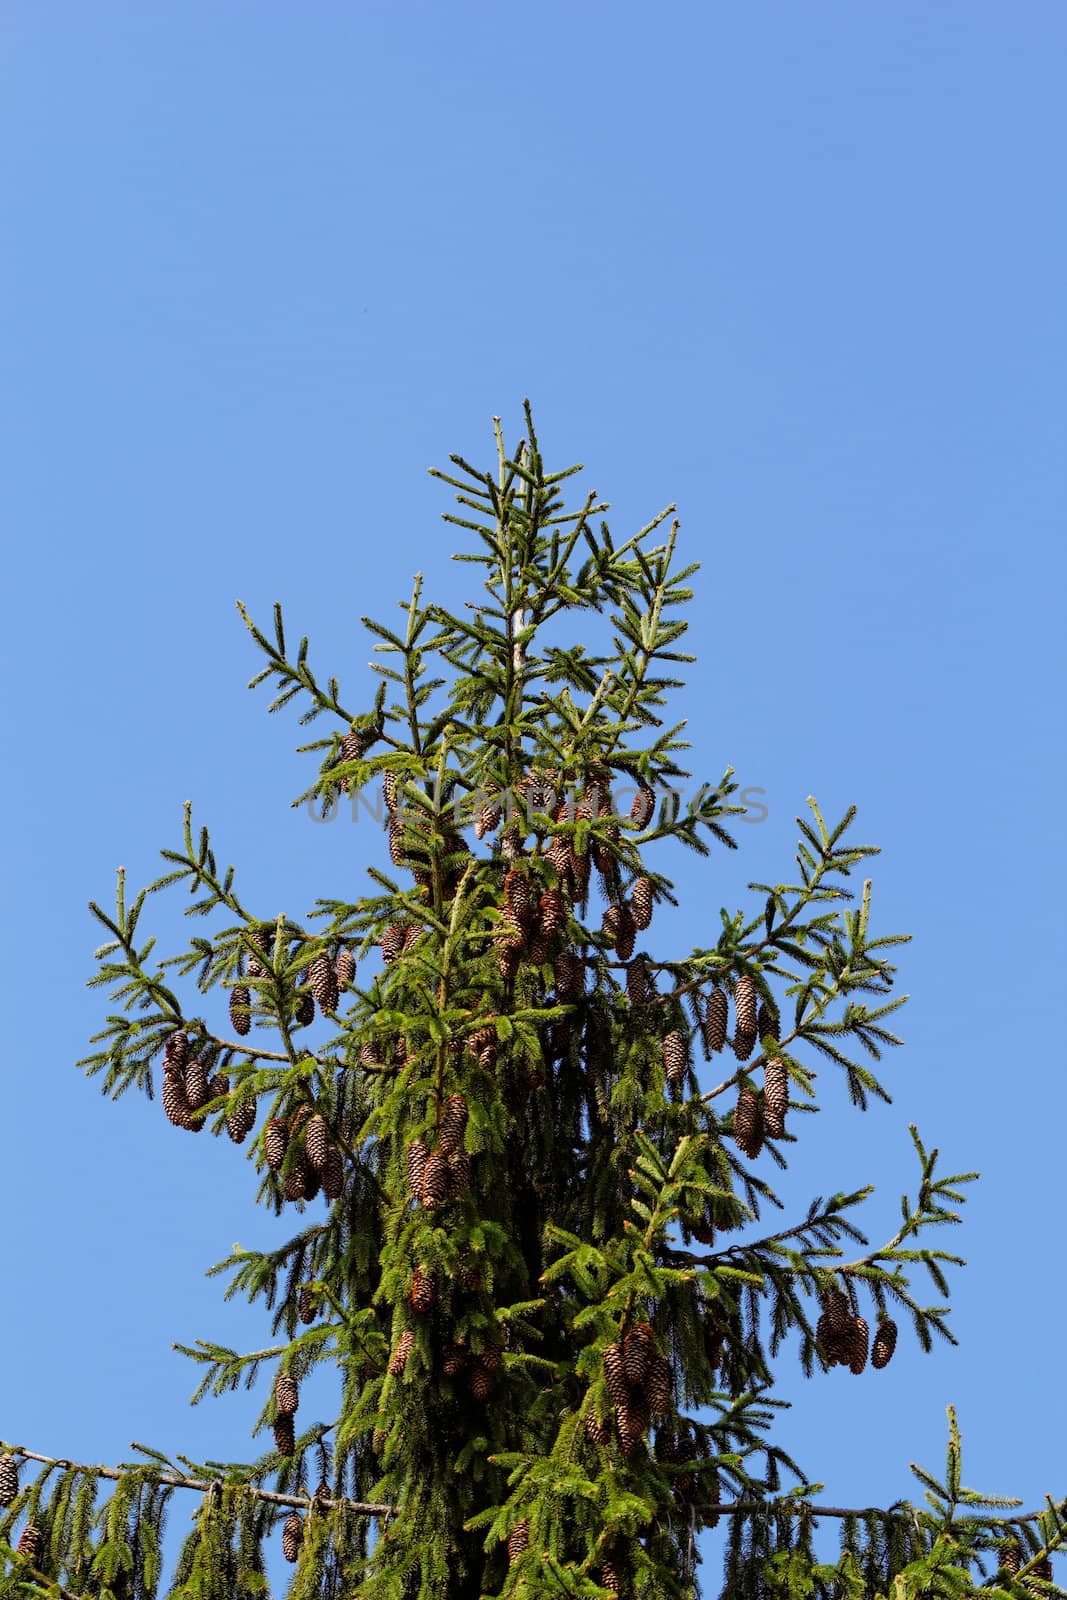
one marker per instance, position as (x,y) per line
(275,1143)
(835,1305)
(745,993)
(453,1125)
(455,1360)
(416,1167)
(392,941)
(470,1277)
(748,1122)
(197,1089)
(219,1086)
(480,1380)
(715,1019)
(631,1421)
(436,1182)
(292,1536)
(598,1431)
(322,981)
(390,790)
(9,1478)
(241,1119)
(658,1386)
(775,1098)
(240,1010)
(397,844)
(399,1358)
(317,1142)
(263,941)
(641,902)
(286,1394)
(552,912)
(615,1376)
(638,1348)
(858,1345)
(569,976)
(487,820)
(423,1290)
(518,898)
(370,1053)
(510,949)
(1011,1556)
(333,1174)
(704,1231)
(176,1051)
(675,1057)
(885,1342)
(767,1023)
(639,984)
(609,1577)
(307,1305)
(344,967)
(459,1174)
(518,1541)
(539,949)
(626,936)
(299,1183)
(31,1544)
(284,1435)
(643,807)
(175,1104)
(304,1015)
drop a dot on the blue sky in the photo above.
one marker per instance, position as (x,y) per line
(798,269)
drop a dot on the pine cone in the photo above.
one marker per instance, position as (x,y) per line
(322,981)
(626,936)
(859,1344)
(298,1183)
(1011,1557)
(569,976)
(598,1431)
(480,1380)
(317,1143)
(704,1231)
(610,1577)
(344,967)
(675,1057)
(370,1053)
(745,1012)
(615,1376)
(631,1420)
(305,1009)
(436,1183)
(31,1544)
(176,1051)
(240,1010)
(286,1394)
(639,985)
(416,1167)
(518,1541)
(835,1305)
(307,1305)
(552,912)
(748,1123)
(487,821)
(643,807)
(275,1143)
(518,898)
(241,1119)
(392,941)
(767,1024)
(470,1277)
(658,1386)
(333,1174)
(455,1360)
(423,1290)
(775,1098)
(263,941)
(558,854)
(284,1435)
(399,1358)
(885,1342)
(197,1089)
(539,949)
(175,1104)
(453,1125)
(715,1021)
(459,1174)
(9,1478)
(641,902)
(292,1536)
(638,1348)
(390,790)
(219,1086)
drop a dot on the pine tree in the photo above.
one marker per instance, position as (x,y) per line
(543,1389)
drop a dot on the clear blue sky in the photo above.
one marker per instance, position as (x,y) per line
(800,269)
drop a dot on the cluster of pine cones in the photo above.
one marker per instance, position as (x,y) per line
(843,1337)
(187,1089)
(315,1162)
(638,1381)
(31,1539)
(480,1368)
(435,1176)
(286,1401)
(532,923)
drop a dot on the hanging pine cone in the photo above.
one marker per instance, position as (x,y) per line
(263,942)
(552,912)
(715,1019)
(480,1381)
(175,1104)
(885,1342)
(641,902)
(638,1348)
(176,1051)
(539,949)
(767,1024)
(858,1345)
(219,1086)
(1011,1556)
(453,1125)
(775,1098)
(412,935)
(518,898)
(305,1009)
(307,1305)
(436,1183)
(284,1435)
(748,1122)
(390,790)
(643,808)
(399,1358)
(615,1375)
(322,981)
(835,1305)
(292,1536)
(459,1174)
(370,1053)
(392,941)
(240,1010)
(31,1544)
(333,1174)
(354,745)
(704,1231)
(675,1057)
(631,1420)
(1042,1573)
(518,1541)
(487,820)
(397,846)
(317,1143)
(275,1143)
(626,936)
(610,1577)
(509,951)
(658,1386)
(344,967)
(455,1360)
(297,1183)
(416,1167)
(596,1429)
(470,1277)
(197,1089)
(286,1394)
(569,976)
(9,1478)
(745,1013)
(423,1290)
(639,985)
